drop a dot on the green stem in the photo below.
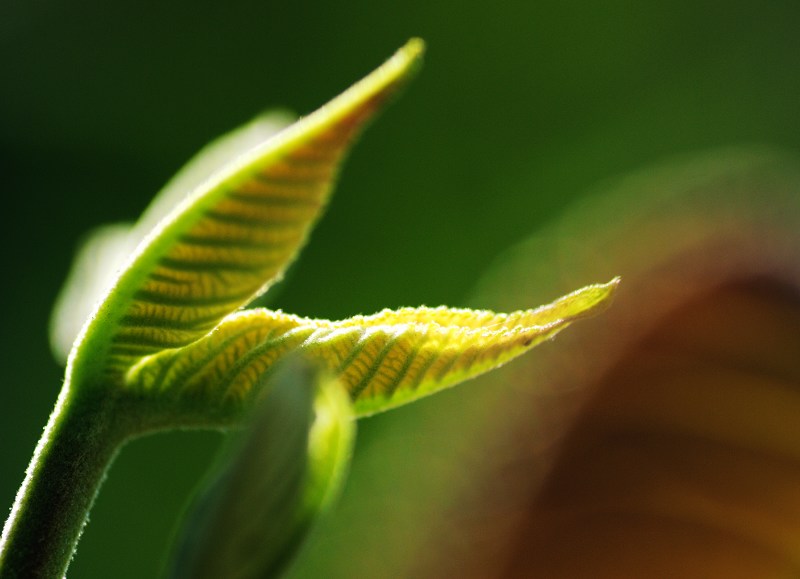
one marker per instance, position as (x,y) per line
(67,469)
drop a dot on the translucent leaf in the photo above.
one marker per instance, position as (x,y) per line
(220,152)
(106,249)
(234,234)
(383,360)
(281,476)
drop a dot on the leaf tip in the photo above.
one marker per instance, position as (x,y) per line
(396,72)
(413,50)
(611,287)
(597,298)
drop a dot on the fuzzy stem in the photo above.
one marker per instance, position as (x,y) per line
(52,506)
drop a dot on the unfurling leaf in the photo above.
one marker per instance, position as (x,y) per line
(167,332)
(382,360)
(165,349)
(281,476)
(234,234)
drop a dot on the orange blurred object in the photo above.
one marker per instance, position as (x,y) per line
(661,439)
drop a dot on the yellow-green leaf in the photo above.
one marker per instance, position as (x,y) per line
(234,234)
(105,249)
(383,360)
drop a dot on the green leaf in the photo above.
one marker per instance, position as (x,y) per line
(282,475)
(383,360)
(234,234)
(105,249)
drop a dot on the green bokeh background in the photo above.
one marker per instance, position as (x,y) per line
(521,106)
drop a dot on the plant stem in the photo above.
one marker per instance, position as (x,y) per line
(52,506)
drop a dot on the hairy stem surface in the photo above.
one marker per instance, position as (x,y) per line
(51,508)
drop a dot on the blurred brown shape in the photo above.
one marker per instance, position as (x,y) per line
(661,439)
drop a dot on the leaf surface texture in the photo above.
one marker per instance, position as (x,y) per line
(235,234)
(382,360)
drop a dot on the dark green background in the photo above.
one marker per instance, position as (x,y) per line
(521,106)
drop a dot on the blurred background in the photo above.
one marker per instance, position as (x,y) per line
(520,108)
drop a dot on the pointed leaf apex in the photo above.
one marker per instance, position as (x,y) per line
(383,360)
(364,98)
(234,234)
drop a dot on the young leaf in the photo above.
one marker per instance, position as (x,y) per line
(383,360)
(166,337)
(233,235)
(281,477)
(106,248)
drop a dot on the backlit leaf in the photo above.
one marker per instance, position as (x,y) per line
(382,360)
(235,233)
(105,249)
